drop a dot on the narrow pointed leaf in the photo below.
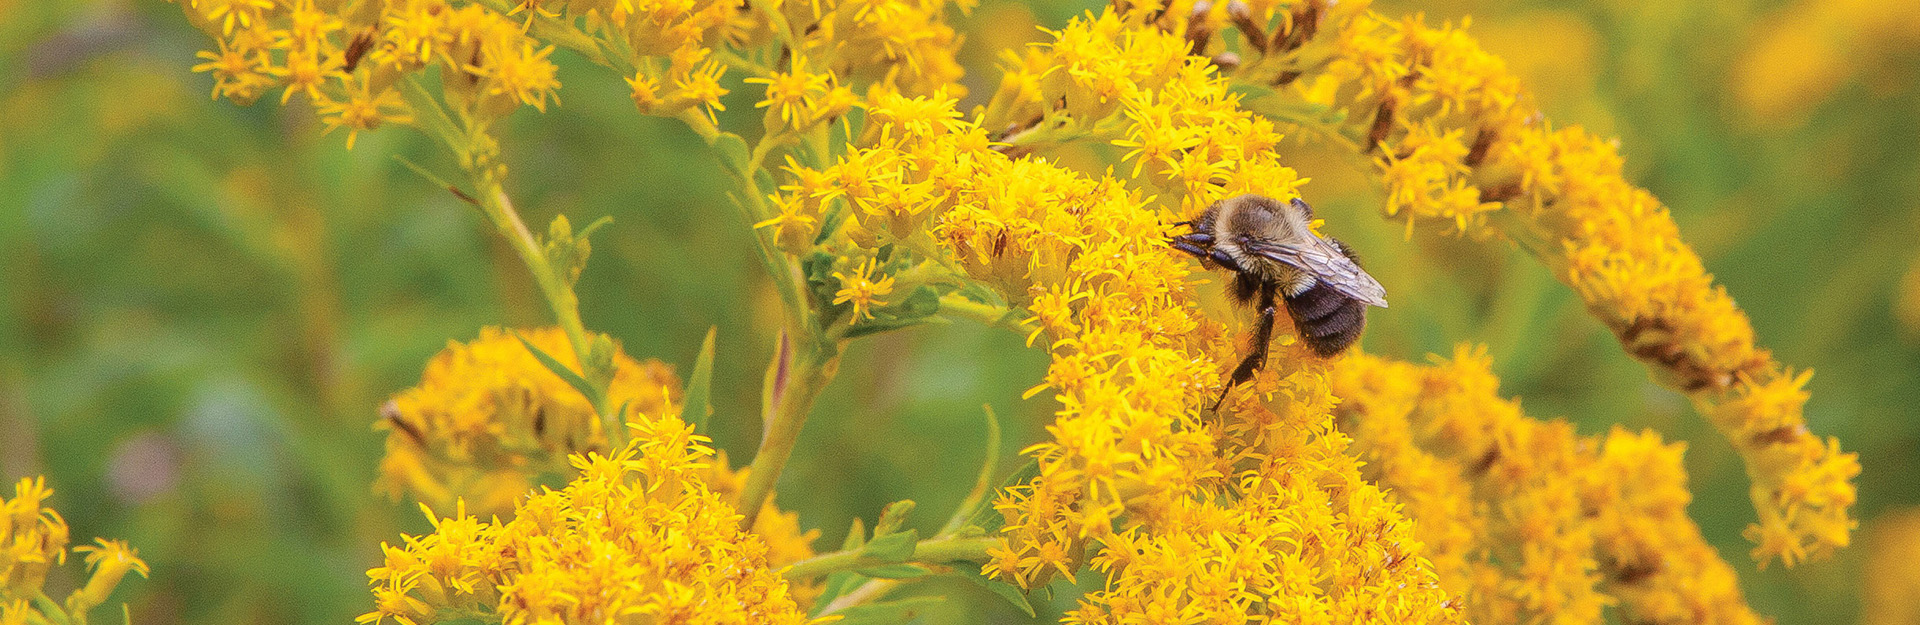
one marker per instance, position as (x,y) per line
(573,379)
(698,407)
(895,571)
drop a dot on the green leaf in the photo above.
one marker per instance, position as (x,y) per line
(856,535)
(431,117)
(889,612)
(596,225)
(895,547)
(698,407)
(980,292)
(924,302)
(989,519)
(990,460)
(1249,91)
(895,571)
(53,611)
(734,153)
(878,325)
(892,517)
(573,379)
(764,178)
(436,180)
(1007,591)
(830,222)
(837,584)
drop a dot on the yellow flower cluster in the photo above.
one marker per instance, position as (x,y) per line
(1182,127)
(487,419)
(670,43)
(33,540)
(1191,521)
(1458,140)
(349,63)
(906,45)
(1528,521)
(637,538)
(780,529)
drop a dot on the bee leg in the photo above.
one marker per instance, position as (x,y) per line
(1225,260)
(1188,248)
(1262,335)
(1197,237)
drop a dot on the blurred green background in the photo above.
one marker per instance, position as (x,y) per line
(202,305)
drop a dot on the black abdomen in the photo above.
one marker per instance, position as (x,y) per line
(1327,319)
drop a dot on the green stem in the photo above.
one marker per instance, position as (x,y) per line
(873,589)
(559,295)
(929,551)
(792,382)
(986,314)
(792,385)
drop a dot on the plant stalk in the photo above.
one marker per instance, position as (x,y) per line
(792,385)
(930,551)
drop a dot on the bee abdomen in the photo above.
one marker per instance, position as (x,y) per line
(1327,319)
(1318,301)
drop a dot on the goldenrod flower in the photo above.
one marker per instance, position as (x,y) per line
(793,95)
(861,290)
(306,72)
(487,419)
(1529,521)
(239,74)
(363,110)
(1264,515)
(637,533)
(33,540)
(522,72)
(701,87)
(110,561)
(905,45)
(229,13)
(1458,140)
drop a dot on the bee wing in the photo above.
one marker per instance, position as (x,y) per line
(1327,264)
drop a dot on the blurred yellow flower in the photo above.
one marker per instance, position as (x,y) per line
(1802,53)
(362,110)
(487,419)
(1890,583)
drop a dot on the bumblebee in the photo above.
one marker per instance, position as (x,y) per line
(1276,258)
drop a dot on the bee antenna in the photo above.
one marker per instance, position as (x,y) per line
(1223,398)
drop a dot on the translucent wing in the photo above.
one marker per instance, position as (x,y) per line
(1326,262)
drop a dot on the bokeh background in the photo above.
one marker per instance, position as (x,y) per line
(203,305)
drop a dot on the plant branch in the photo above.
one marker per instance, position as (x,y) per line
(953,305)
(793,382)
(929,551)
